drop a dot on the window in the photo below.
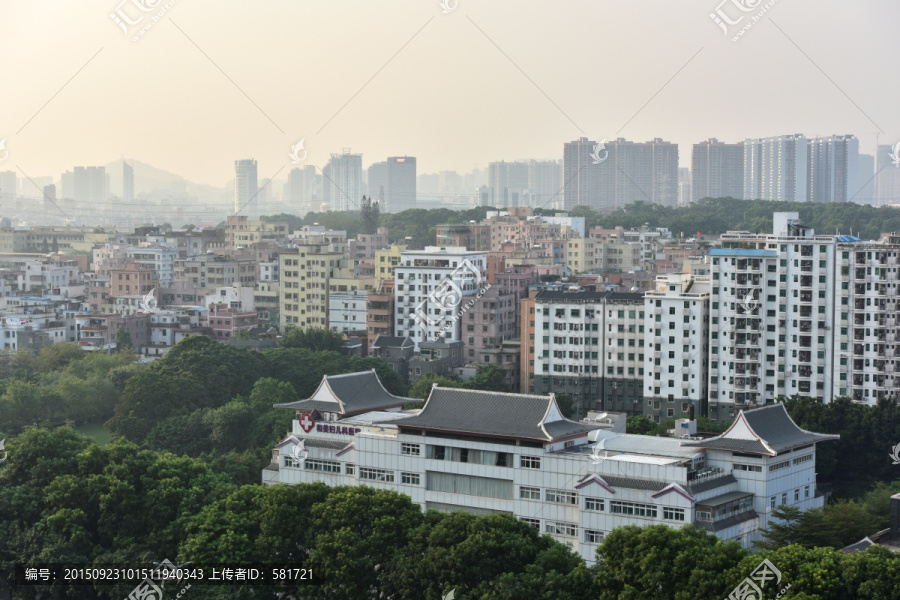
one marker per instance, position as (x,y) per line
(632,508)
(560,497)
(797,495)
(325,466)
(803,459)
(774,501)
(567,529)
(784,498)
(593,537)
(530,462)
(410,449)
(376,474)
(779,466)
(806,492)
(751,468)
(593,504)
(536,523)
(529,493)
(349,468)
(410,478)
(673,514)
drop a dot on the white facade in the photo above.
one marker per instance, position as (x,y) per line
(590,346)
(422,278)
(676,345)
(347,312)
(576,484)
(49,275)
(159,258)
(775,168)
(236,297)
(794,313)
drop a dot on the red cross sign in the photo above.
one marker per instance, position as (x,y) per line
(306,422)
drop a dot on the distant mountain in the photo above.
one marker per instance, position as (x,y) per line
(159,183)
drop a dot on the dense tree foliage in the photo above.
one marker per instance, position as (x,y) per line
(712,216)
(417,224)
(64,383)
(868,433)
(312,338)
(65,498)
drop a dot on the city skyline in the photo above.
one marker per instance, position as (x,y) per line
(454,90)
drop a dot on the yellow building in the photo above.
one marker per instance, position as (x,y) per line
(386,260)
(585,255)
(306,275)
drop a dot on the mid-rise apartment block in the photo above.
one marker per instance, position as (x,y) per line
(432,286)
(676,347)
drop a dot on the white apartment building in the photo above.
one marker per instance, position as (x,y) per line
(775,168)
(489,453)
(425,277)
(48,276)
(676,346)
(794,313)
(590,346)
(347,311)
(159,258)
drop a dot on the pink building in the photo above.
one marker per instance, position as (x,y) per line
(227,323)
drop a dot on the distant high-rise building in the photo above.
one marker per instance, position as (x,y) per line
(449,182)
(587,181)
(507,183)
(31,187)
(684,186)
(91,185)
(776,168)
(343,181)
(8,184)
(865,183)
(544,183)
(127,182)
(717,170)
(378,182)
(619,173)
(50,192)
(887,178)
(67,183)
(833,163)
(245,187)
(401,178)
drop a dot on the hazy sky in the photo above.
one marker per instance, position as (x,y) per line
(490,80)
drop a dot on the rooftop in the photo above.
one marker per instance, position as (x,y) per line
(766,431)
(494,414)
(349,394)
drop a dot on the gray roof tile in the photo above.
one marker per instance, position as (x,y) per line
(491,414)
(358,392)
(775,429)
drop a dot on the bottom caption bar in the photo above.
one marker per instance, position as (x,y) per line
(156,574)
